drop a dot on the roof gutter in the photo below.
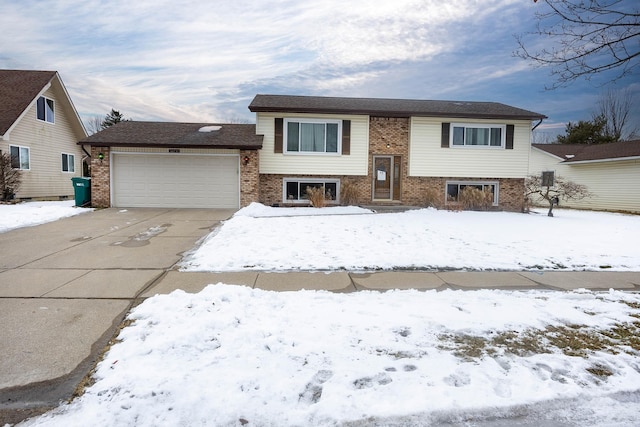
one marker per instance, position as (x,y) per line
(611,159)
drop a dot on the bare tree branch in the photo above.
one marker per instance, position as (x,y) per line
(587,37)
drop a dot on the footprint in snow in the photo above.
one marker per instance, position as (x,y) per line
(313,390)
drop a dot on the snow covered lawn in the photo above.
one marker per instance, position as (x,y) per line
(355,239)
(34,213)
(232,356)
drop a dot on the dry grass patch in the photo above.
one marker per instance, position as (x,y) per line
(571,340)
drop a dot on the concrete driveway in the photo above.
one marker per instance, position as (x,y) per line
(65,286)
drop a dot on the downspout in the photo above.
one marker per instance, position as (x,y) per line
(537,124)
(88,156)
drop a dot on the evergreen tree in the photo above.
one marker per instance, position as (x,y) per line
(112,118)
(587,132)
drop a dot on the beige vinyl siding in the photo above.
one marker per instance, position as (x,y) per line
(355,163)
(427,158)
(46,143)
(614,184)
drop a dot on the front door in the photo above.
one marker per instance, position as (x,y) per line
(386,177)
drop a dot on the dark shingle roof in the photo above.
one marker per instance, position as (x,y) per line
(572,153)
(186,135)
(17,89)
(388,107)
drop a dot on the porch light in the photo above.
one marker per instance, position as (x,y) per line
(245,160)
(100,156)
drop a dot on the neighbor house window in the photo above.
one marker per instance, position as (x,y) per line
(477,135)
(19,157)
(68,163)
(312,136)
(45,109)
(454,189)
(295,190)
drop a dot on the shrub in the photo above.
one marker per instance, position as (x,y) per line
(316,196)
(348,194)
(10,178)
(433,198)
(475,199)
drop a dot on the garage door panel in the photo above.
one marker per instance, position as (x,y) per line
(175,181)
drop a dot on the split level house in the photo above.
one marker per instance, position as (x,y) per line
(388,151)
(40,128)
(611,172)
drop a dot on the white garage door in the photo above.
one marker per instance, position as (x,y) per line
(170,180)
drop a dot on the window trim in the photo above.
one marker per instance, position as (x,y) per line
(311,180)
(496,194)
(46,116)
(503,135)
(20,148)
(285,137)
(73,156)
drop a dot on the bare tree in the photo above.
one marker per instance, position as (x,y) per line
(615,106)
(561,188)
(94,125)
(588,37)
(10,178)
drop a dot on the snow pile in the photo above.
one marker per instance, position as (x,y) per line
(258,210)
(233,356)
(261,238)
(34,213)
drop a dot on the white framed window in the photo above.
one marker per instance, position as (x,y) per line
(68,162)
(312,136)
(477,135)
(454,188)
(45,109)
(294,190)
(20,157)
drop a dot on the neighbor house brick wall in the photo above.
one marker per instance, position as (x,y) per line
(249,177)
(100,178)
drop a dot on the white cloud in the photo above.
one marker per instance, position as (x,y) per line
(200,61)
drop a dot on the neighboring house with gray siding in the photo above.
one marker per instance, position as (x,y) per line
(611,172)
(40,128)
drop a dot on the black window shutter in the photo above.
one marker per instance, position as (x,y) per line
(509,137)
(444,142)
(346,137)
(277,147)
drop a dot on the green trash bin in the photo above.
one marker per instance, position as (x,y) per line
(82,190)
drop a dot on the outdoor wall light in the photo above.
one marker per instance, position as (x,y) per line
(100,156)
(245,160)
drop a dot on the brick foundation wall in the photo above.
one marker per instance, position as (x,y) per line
(100,178)
(271,188)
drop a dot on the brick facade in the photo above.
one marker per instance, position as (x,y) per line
(100,177)
(249,177)
(389,136)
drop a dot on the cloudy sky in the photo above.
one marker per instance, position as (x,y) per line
(203,61)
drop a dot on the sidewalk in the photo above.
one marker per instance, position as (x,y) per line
(66,286)
(382,281)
